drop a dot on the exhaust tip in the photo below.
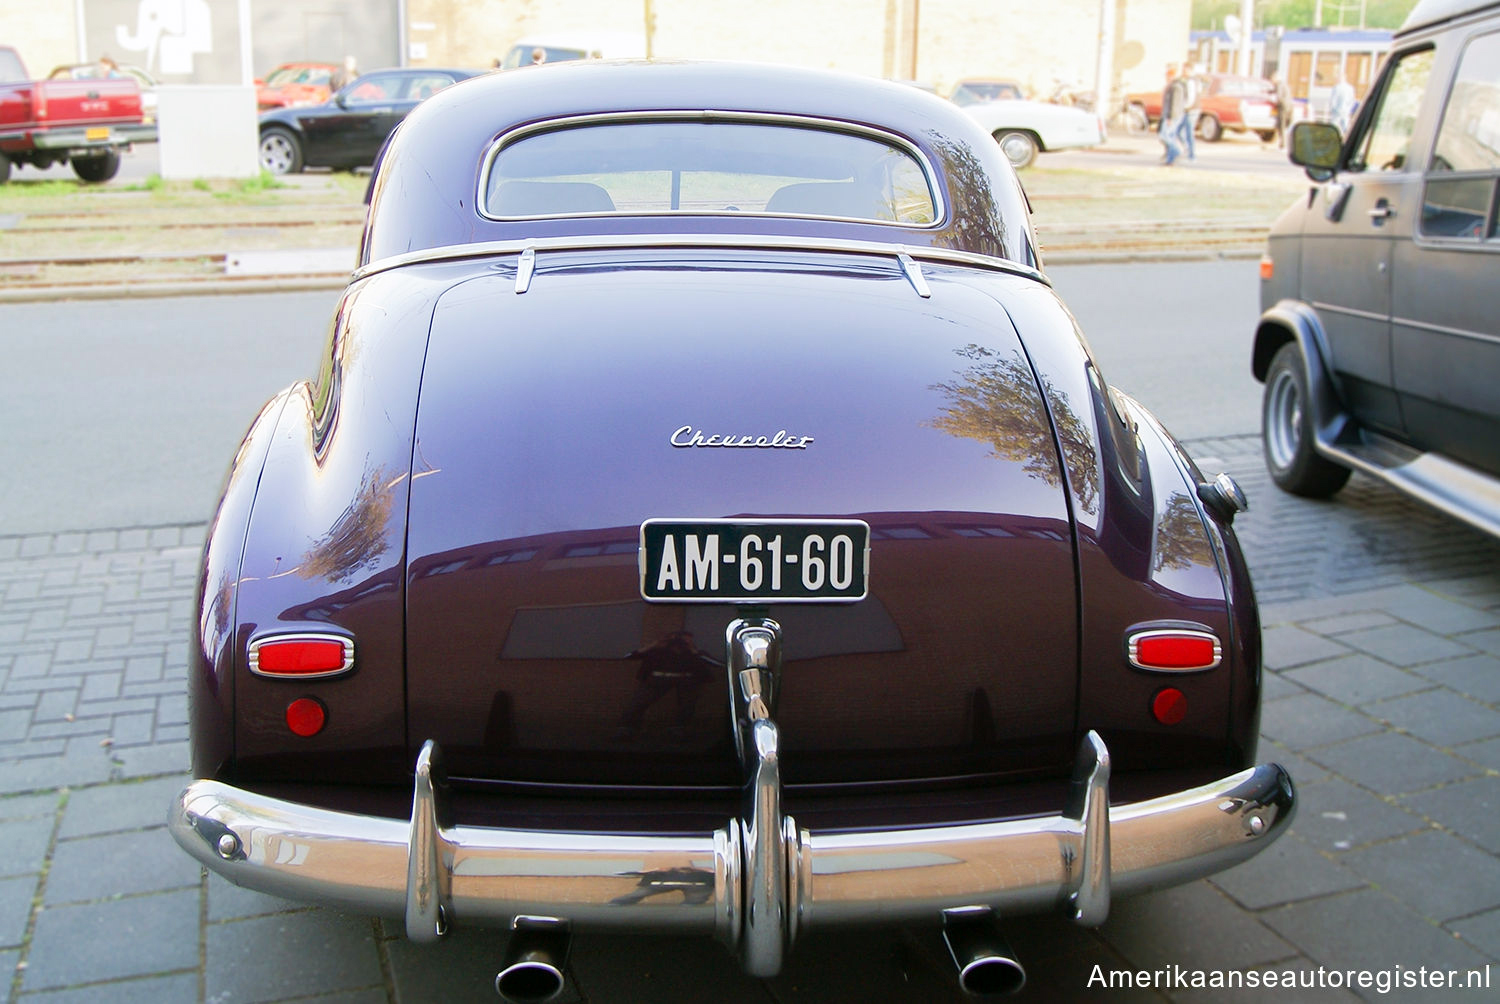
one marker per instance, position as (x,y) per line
(529,982)
(994,976)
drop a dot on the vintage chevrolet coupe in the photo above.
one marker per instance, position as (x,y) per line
(707,517)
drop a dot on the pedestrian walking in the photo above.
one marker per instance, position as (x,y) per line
(1173,112)
(1192,95)
(344,75)
(1283,112)
(1341,103)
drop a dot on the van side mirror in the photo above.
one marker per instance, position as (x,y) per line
(1316,146)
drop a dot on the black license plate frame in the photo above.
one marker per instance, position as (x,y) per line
(754,561)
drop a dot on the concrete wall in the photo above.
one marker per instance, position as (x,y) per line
(1037,43)
(45,34)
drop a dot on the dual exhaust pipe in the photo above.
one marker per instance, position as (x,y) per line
(536,961)
(536,957)
(987,966)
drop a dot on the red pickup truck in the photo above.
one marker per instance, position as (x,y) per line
(1229,102)
(85,122)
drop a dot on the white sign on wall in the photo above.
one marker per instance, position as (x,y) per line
(170,33)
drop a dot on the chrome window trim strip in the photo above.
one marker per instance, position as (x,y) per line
(939,203)
(1368,315)
(252,655)
(1439,329)
(687,242)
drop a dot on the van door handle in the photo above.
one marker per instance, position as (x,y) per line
(1381,212)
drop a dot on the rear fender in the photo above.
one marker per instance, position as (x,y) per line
(1146,552)
(211,654)
(325,546)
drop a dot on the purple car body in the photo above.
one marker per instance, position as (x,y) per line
(520,382)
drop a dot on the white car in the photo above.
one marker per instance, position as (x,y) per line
(1022,128)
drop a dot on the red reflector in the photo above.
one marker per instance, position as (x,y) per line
(1174,650)
(301,656)
(1267,267)
(1169,706)
(306,716)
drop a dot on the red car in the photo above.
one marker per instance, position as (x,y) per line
(291,85)
(87,123)
(1229,102)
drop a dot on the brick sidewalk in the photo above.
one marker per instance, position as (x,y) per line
(1382,696)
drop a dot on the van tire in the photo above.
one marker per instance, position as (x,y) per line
(1286,431)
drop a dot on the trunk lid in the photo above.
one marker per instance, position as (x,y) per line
(545,437)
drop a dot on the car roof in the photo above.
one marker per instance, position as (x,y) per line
(424,194)
(1430,12)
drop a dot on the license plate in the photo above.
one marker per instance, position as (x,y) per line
(96,133)
(754,561)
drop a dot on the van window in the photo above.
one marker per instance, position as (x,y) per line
(1386,140)
(1469,139)
(1466,157)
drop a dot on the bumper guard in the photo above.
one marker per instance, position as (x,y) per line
(757,881)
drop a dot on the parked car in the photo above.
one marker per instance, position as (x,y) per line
(292,85)
(1024,128)
(561,47)
(710,519)
(86,123)
(1229,102)
(96,71)
(1377,343)
(348,129)
(978,90)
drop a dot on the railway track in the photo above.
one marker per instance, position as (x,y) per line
(146,251)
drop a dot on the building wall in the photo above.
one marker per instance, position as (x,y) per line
(1039,44)
(45,34)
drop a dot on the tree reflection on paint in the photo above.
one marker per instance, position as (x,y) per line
(1180,540)
(976,223)
(995,401)
(357,538)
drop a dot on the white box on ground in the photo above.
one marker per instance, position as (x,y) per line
(207,131)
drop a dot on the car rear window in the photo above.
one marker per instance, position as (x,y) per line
(709,167)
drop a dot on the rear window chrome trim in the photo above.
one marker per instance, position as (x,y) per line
(689,242)
(939,202)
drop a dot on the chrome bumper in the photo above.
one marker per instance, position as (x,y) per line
(757,881)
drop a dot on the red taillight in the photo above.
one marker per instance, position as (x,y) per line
(1169,706)
(1267,267)
(1174,650)
(306,716)
(301,655)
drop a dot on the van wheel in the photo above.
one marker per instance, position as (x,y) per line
(4,168)
(1210,129)
(98,167)
(1287,434)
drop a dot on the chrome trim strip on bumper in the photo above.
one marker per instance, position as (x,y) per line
(467,874)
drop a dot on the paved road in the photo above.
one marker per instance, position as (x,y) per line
(125,413)
(1382,696)
(1235,154)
